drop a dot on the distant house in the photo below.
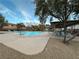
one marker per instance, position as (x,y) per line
(21,26)
(9,26)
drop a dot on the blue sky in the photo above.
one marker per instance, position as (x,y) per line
(16,11)
(20,11)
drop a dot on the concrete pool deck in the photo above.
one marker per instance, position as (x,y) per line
(27,45)
(54,49)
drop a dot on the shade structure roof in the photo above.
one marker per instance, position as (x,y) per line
(61,24)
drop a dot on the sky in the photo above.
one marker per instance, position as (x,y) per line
(19,11)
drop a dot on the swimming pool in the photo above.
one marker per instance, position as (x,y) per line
(29,33)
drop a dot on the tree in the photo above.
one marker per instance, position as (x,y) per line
(76,6)
(41,10)
(60,9)
(6,21)
(2,20)
(20,25)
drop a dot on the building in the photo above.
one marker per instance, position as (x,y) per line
(9,26)
(61,24)
(72,26)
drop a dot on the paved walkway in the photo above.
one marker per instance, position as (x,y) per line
(26,45)
(53,50)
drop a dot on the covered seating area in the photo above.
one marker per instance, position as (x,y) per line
(72,28)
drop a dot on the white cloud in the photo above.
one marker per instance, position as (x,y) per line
(20,4)
(7,12)
(24,15)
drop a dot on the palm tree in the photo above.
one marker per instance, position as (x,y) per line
(41,10)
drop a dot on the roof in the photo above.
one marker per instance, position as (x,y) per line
(68,23)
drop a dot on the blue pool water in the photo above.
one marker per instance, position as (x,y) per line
(27,33)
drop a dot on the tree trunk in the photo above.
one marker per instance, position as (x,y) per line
(65,20)
(72,37)
(65,34)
